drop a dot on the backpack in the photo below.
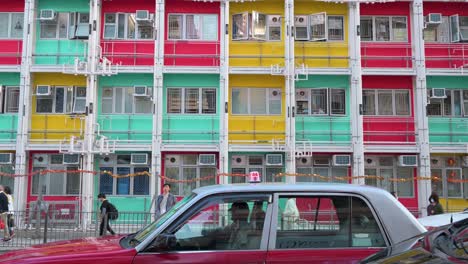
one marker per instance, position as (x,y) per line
(113,212)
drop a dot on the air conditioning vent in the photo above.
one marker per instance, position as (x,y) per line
(408,160)
(274,159)
(105,161)
(47,15)
(437,162)
(40,159)
(71,159)
(6,158)
(274,21)
(301,27)
(142,15)
(434,18)
(43,90)
(276,94)
(324,161)
(438,93)
(342,160)
(302,95)
(304,161)
(207,159)
(172,160)
(370,162)
(141,90)
(238,161)
(139,159)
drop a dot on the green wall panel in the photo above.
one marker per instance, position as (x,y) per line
(454,82)
(9,78)
(9,121)
(191,127)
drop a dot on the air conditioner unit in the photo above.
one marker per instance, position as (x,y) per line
(172,160)
(274,21)
(274,159)
(106,161)
(438,93)
(142,15)
(304,161)
(342,160)
(434,18)
(371,161)
(140,90)
(139,159)
(47,15)
(465,161)
(238,161)
(6,158)
(324,161)
(207,159)
(40,159)
(43,90)
(408,160)
(301,27)
(437,162)
(302,95)
(276,94)
(71,159)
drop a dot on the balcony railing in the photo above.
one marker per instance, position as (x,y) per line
(323,129)
(454,55)
(53,128)
(10,52)
(256,54)
(59,52)
(191,53)
(448,131)
(256,130)
(389,131)
(183,129)
(129,53)
(386,55)
(322,54)
(126,129)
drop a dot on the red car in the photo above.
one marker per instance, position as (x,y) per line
(251,223)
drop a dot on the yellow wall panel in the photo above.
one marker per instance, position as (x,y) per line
(322,54)
(55,127)
(257,53)
(454,204)
(257,129)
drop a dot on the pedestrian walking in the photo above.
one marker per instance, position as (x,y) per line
(165,201)
(434,207)
(107,213)
(4,213)
(11,212)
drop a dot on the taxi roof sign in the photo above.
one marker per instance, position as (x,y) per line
(254,177)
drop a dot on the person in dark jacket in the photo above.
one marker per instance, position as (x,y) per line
(165,201)
(105,209)
(435,207)
(4,213)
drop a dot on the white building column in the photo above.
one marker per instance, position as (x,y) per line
(290,70)
(20,188)
(224,92)
(357,134)
(158,97)
(420,103)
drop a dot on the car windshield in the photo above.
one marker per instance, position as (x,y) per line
(145,232)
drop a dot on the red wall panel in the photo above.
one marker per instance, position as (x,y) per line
(392,128)
(191,53)
(10,50)
(387,54)
(446,55)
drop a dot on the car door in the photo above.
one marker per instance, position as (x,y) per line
(220,229)
(323,228)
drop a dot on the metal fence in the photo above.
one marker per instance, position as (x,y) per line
(34,227)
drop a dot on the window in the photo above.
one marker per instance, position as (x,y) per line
(11,25)
(66,26)
(125,26)
(56,183)
(438,33)
(120,164)
(221,223)
(321,101)
(386,167)
(326,222)
(256,101)
(455,104)
(191,100)
(246,164)
(9,99)
(319,27)
(188,167)
(193,27)
(121,100)
(320,166)
(451,174)
(386,102)
(458,28)
(256,26)
(62,99)
(384,28)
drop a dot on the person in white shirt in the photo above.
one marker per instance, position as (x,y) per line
(165,201)
(11,211)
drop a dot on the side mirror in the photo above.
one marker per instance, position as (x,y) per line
(164,242)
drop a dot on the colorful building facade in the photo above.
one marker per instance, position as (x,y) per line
(203,92)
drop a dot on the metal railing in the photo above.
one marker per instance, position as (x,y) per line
(10,52)
(322,54)
(129,53)
(389,131)
(323,129)
(192,53)
(448,55)
(187,128)
(130,128)
(444,130)
(386,55)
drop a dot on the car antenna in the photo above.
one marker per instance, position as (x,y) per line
(451,218)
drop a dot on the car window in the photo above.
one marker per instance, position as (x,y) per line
(326,222)
(223,223)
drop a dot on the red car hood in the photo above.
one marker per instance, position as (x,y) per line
(73,251)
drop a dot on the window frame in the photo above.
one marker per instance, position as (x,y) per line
(391,29)
(9,26)
(250,27)
(439,33)
(394,108)
(327,28)
(183,100)
(126,26)
(463,102)
(5,91)
(184,27)
(122,103)
(72,26)
(328,99)
(275,225)
(69,94)
(249,101)
(47,178)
